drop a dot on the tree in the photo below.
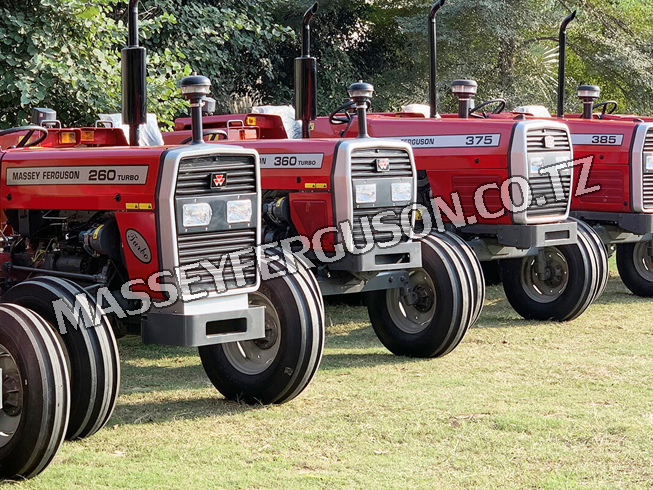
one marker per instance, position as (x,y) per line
(65,54)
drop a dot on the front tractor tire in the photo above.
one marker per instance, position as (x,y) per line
(278,367)
(91,352)
(564,285)
(35,393)
(444,298)
(635,266)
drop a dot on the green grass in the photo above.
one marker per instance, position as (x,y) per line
(517,405)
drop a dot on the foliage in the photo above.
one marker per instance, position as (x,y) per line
(509,47)
(65,54)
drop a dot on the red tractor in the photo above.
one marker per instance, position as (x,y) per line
(476,179)
(347,208)
(613,193)
(619,204)
(101,238)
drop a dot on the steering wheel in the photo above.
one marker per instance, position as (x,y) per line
(612,104)
(207,132)
(30,131)
(336,117)
(499,109)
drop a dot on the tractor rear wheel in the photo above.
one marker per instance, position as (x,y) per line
(443,299)
(91,351)
(563,287)
(276,368)
(635,265)
(35,393)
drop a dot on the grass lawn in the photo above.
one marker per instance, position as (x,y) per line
(517,405)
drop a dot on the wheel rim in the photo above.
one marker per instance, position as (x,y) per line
(12,397)
(252,357)
(643,261)
(549,286)
(415,318)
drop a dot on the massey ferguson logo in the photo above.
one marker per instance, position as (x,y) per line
(382,164)
(218,181)
(549,142)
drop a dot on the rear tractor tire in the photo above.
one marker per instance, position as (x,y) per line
(571,278)
(90,351)
(278,367)
(635,265)
(35,393)
(444,298)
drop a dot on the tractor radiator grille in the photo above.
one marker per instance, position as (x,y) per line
(648,144)
(648,190)
(216,247)
(647,184)
(536,140)
(195,175)
(543,191)
(364,165)
(380,234)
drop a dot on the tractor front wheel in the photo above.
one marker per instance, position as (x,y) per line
(276,368)
(443,299)
(35,393)
(91,350)
(560,283)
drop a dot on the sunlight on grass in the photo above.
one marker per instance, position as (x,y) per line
(517,405)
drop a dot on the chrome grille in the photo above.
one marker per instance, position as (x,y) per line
(379,234)
(363,163)
(648,190)
(216,247)
(535,140)
(543,192)
(195,174)
(648,143)
(647,184)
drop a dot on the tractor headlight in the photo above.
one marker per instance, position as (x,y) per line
(536,164)
(649,163)
(239,212)
(366,194)
(197,214)
(402,192)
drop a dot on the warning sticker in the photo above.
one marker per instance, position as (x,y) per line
(124,174)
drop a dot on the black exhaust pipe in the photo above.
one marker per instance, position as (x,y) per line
(562,57)
(433,77)
(134,79)
(306,78)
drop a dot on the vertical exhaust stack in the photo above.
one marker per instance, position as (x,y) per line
(589,94)
(433,76)
(194,89)
(134,79)
(361,95)
(465,91)
(306,78)
(562,58)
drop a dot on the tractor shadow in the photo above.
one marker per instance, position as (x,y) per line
(170,410)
